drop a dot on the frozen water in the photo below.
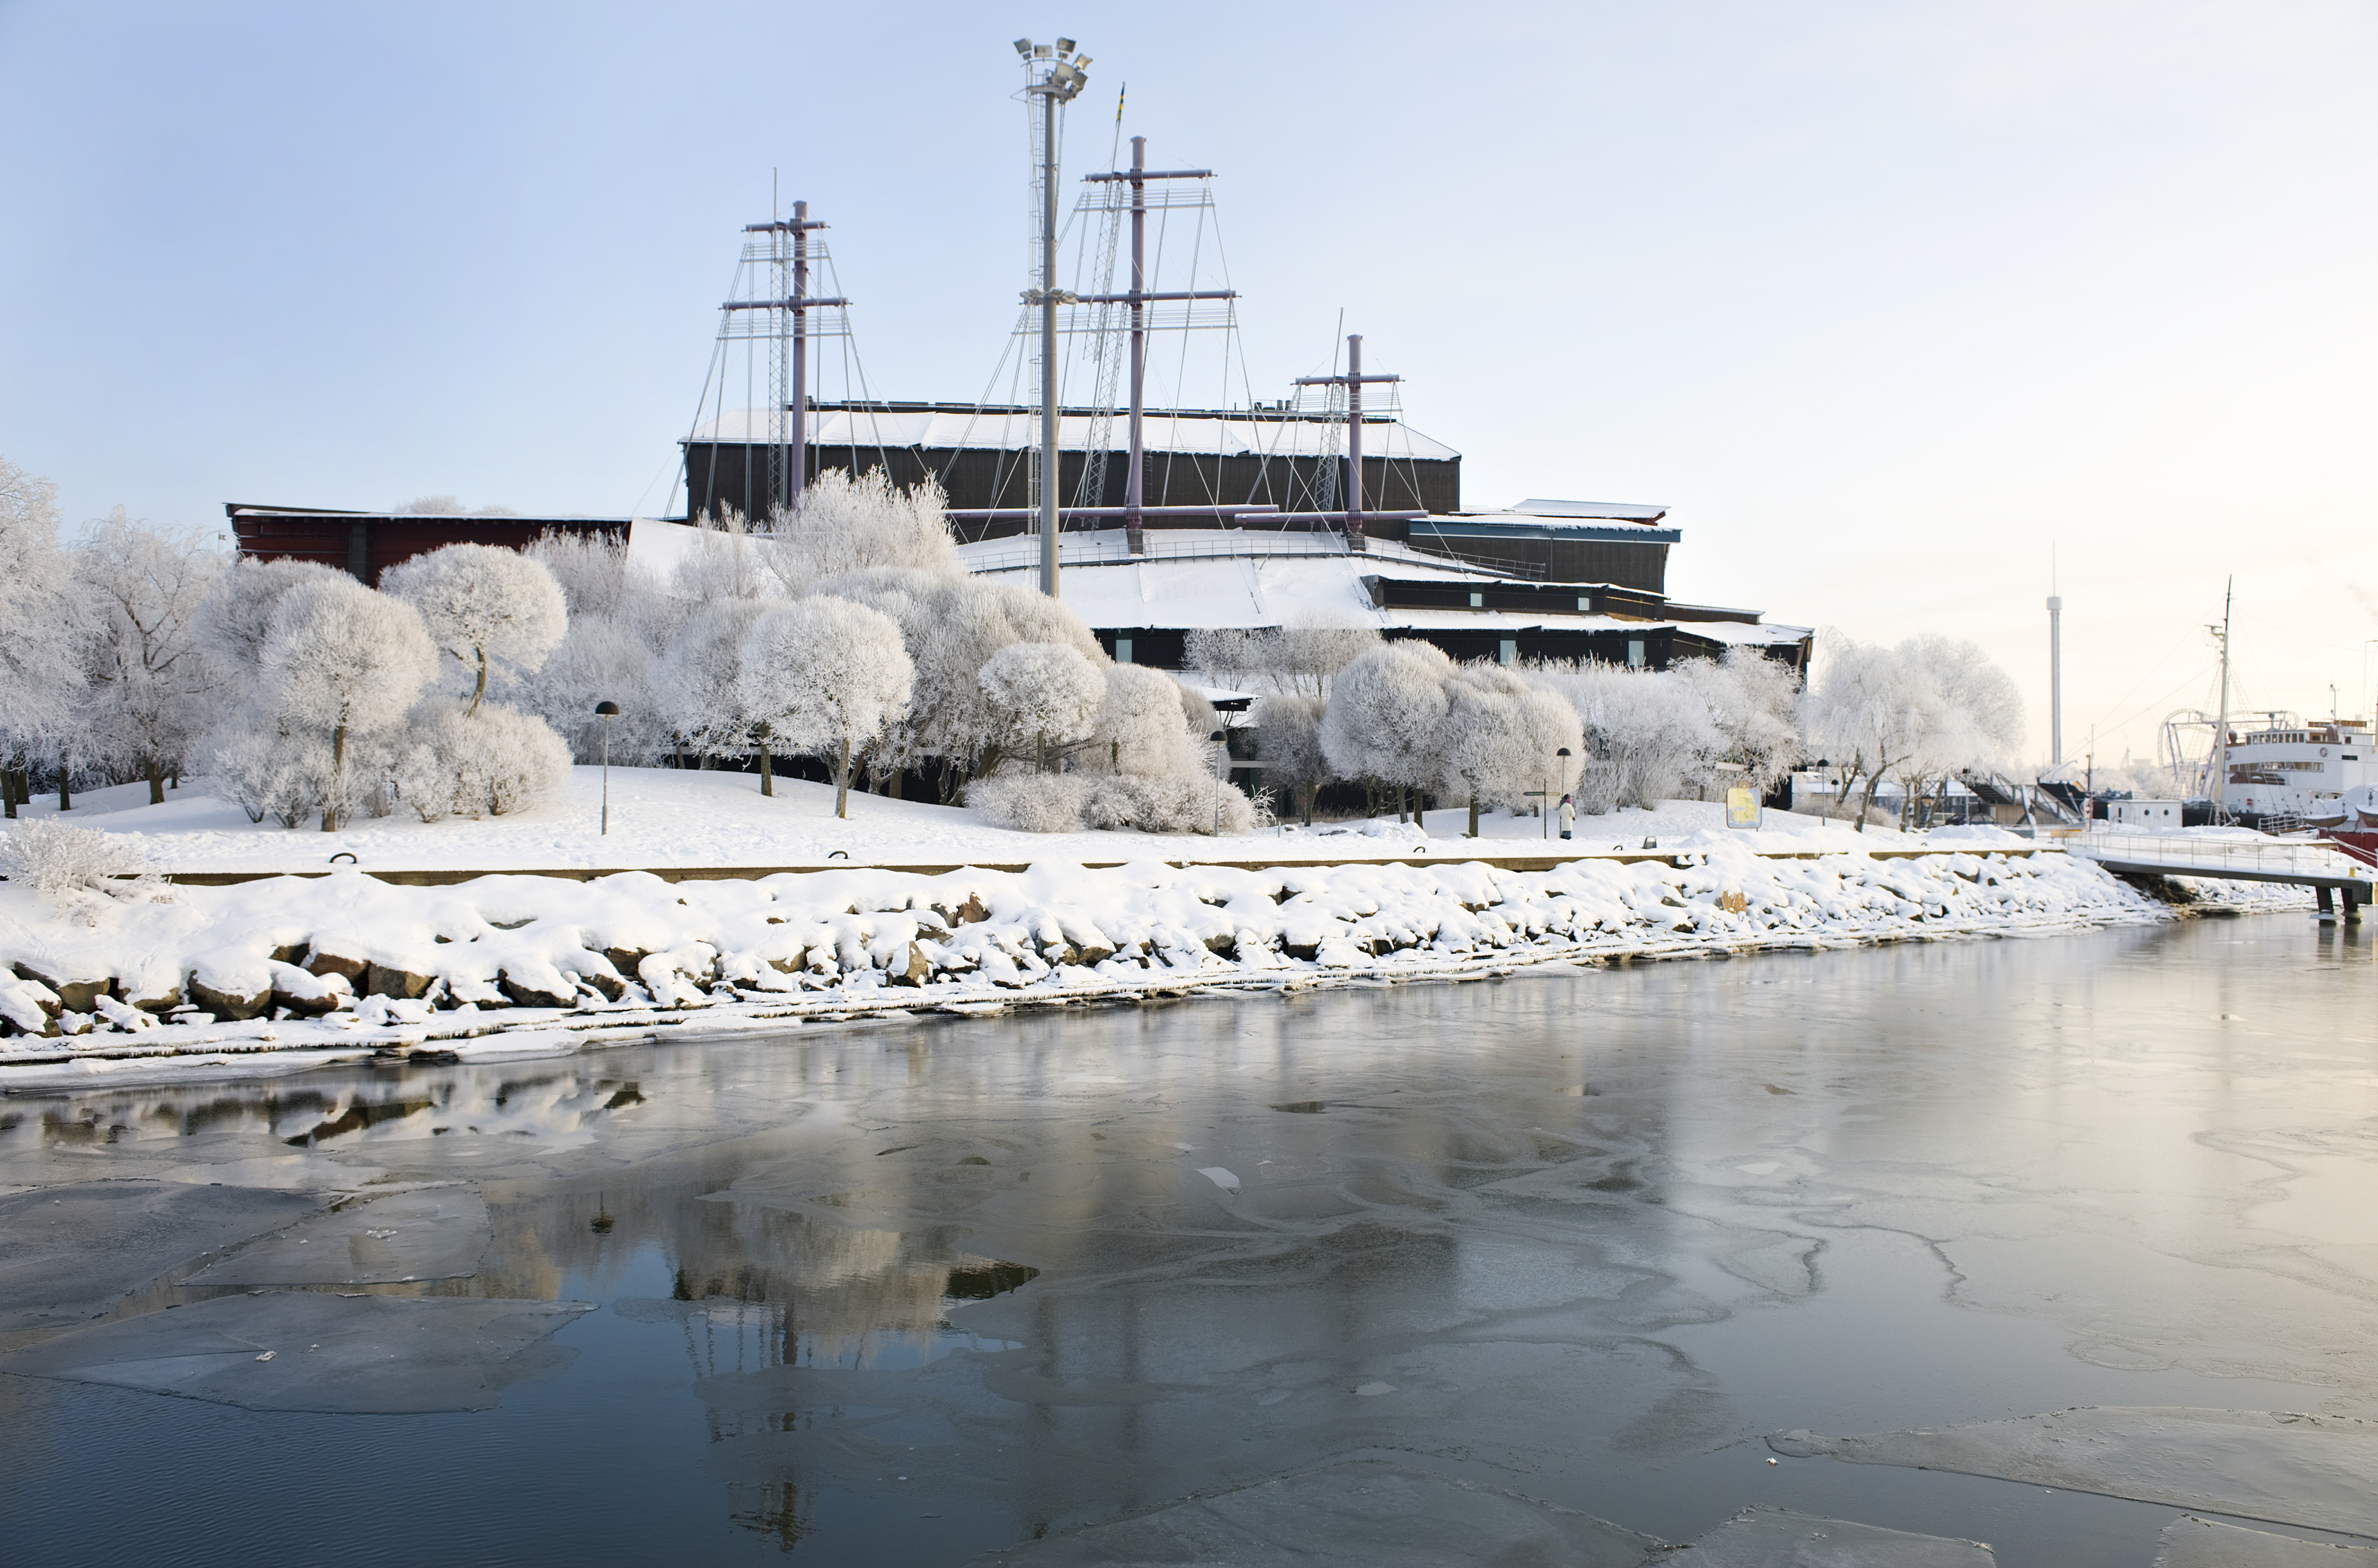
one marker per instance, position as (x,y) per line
(2292,1468)
(435,1234)
(70,1252)
(1775,1538)
(305,1350)
(916,1291)
(2192,1542)
(1364,1515)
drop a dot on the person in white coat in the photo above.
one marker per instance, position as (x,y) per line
(1568,815)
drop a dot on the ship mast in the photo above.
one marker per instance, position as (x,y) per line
(2221,721)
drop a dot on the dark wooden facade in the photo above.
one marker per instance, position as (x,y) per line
(367,543)
(720,475)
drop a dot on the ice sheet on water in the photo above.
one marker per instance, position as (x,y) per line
(66,1253)
(2290,1468)
(311,1350)
(1368,1512)
(2192,1542)
(436,1233)
(1774,1538)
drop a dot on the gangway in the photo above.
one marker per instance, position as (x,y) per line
(2302,862)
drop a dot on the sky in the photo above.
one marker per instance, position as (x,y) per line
(1893,305)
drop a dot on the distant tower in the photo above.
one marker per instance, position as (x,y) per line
(2055,680)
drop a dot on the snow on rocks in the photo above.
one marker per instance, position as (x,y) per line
(348,961)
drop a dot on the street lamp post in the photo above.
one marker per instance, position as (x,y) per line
(606,711)
(1563,755)
(1221,767)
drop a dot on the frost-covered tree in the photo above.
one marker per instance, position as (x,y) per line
(1753,701)
(701,680)
(1228,655)
(343,663)
(1872,712)
(1652,729)
(951,627)
(1969,713)
(1288,741)
(1044,694)
(598,582)
(483,604)
(1310,649)
(846,524)
(600,660)
(1384,714)
(1501,737)
(825,676)
(236,618)
(152,689)
(40,671)
(1139,728)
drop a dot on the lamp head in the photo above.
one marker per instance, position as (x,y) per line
(1563,752)
(1024,47)
(1064,46)
(606,710)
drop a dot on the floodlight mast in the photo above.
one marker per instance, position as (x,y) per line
(1053,83)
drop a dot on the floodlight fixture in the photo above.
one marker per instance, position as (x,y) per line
(1040,52)
(1024,47)
(1064,46)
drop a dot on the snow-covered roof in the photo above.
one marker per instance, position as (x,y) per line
(1228,434)
(1533,525)
(1191,577)
(1616,512)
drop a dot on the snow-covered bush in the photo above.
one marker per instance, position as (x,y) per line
(259,767)
(598,579)
(1288,741)
(1064,803)
(153,690)
(1044,694)
(1501,737)
(853,524)
(344,664)
(1385,716)
(825,676)
(493,762)
(483,603)
(1172,803)
(1032,803)
(78,869)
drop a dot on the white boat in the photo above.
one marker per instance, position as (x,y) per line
(2281,766)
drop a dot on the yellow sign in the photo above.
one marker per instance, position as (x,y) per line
(1742,806)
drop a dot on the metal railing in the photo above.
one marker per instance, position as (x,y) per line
(2259,859)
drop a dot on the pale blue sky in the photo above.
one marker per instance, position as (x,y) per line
(1883,299)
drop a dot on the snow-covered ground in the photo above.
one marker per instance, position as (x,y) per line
(663,817)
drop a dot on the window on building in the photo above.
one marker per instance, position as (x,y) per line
(1478,601)
(1635,652)
(1123,650)
(1510,653)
